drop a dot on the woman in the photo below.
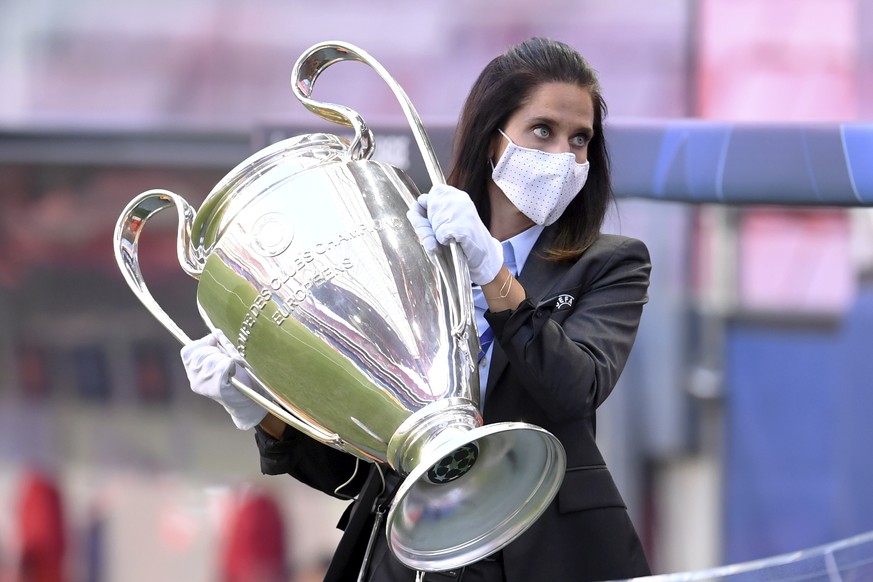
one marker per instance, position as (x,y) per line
(558,306)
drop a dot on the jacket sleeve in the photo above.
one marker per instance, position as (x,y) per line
(569,359)
(313,463)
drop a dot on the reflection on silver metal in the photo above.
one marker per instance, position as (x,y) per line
(358,336)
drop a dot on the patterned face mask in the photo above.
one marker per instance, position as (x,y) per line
(538,183)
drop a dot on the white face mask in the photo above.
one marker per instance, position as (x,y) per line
(540,184)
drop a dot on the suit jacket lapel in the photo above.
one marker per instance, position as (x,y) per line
(537,278)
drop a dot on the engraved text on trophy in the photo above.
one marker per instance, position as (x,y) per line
(293,278)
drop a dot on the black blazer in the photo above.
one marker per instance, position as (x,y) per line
(556,358)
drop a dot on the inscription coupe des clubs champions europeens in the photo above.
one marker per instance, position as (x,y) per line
(309,269)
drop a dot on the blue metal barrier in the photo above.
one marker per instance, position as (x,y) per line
(744,163)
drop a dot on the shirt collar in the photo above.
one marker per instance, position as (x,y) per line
(523,243)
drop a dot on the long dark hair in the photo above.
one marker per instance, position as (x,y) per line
(502,87)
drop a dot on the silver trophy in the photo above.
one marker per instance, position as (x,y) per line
(356,335)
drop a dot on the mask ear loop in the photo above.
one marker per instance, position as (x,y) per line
(490,157)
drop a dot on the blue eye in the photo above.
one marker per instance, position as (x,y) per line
(541,131)
(579,140)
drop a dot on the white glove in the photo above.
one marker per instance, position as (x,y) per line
(210,362)
(453,216)
(417,215)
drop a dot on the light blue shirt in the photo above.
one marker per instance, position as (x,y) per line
(515,253)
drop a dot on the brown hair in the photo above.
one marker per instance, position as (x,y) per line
(502,87)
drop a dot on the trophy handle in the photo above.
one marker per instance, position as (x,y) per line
(127,232)
(307,69)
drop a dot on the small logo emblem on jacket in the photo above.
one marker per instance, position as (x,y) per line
(563,301)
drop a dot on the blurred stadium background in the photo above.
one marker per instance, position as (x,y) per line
(740,428)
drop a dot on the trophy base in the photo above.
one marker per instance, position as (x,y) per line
(473,493)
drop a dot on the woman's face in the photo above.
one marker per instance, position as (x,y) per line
(556,118)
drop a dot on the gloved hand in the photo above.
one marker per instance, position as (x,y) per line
(417,215)
(210,362)
(453,216)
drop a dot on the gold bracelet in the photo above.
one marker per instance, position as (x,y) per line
(504,289)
